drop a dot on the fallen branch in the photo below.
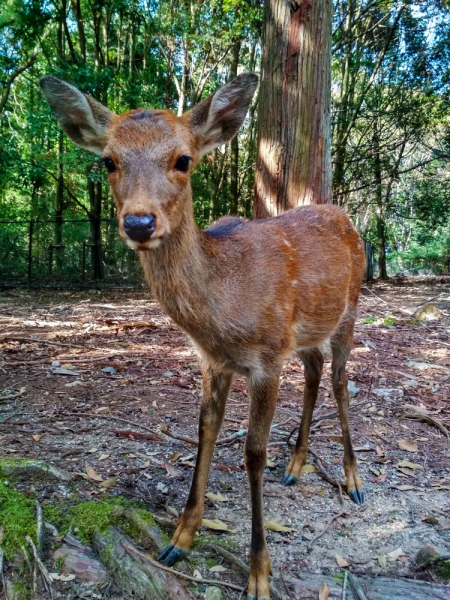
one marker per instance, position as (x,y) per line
(135,435)
(419,414)
(110,416)
(356,587)
(45,575)
(325,529)
(164,429)
(344,586)
(326,476)
(33,341)
(40,527)
(145,558)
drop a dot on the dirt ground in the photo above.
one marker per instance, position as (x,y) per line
(400,364)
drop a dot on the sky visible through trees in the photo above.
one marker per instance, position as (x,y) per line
(389,115)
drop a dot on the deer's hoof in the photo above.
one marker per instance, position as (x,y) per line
(357,496)
(171,555)
(289,479)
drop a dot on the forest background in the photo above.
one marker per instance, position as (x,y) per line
(390,120)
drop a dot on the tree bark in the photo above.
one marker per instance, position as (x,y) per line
(234,144)
(294,141)
(59,206)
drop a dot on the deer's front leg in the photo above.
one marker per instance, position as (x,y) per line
(263,398)
(215,392)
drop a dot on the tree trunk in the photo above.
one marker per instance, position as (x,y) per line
(95,212)
(381,233)
(234,144)
(59,207)
(381,225)
(76,6)
(294,141)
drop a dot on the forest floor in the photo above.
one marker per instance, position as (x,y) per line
(75,416)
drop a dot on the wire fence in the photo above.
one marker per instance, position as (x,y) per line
(86,253)
(66,254)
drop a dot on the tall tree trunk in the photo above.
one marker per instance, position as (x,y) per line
(59,208)
(76,6)
(381,225)
(234,144)
(95,213)
(294,141)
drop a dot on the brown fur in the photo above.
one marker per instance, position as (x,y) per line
(247,293)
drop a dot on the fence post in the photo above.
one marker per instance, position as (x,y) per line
(30,251)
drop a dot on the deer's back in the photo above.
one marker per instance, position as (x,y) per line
(278,284)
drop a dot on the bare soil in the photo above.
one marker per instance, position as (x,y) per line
(75,421)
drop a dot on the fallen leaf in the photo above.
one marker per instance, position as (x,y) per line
(172,511)
(215,524)
(175,456)
(324,592)
(430,519)
(36,437)
(409,465)
(337,438)
(309,469)
(196,574)
(145,465)
(218,569)
(103,456)
(394,555)
(217,497)
(382,561)
(404,488)
(341,561)
(407,445)
(171,470)
(92,450)
(380,451)
(57,577)
(109,483)
(92,474)
(274,526)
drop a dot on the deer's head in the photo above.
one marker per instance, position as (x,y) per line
(150,154)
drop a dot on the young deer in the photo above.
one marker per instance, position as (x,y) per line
(246,293)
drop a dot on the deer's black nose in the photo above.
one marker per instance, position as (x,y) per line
(139,229)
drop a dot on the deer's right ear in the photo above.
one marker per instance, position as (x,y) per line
(83,119)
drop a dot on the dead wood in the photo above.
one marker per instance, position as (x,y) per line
(379,588)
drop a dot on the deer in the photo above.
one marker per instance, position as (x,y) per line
(247,293)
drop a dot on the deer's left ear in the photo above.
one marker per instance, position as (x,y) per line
(217,119)
(83,119)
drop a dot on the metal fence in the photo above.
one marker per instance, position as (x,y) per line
(66,254)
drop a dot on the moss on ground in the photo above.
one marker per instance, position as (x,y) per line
(17,518)
(84,519)
(444,570)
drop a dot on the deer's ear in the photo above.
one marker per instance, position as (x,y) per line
(83,119)
(217,119)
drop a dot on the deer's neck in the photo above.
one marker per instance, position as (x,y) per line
(178,272)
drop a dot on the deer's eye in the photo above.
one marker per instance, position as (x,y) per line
(182,164)
(109,164)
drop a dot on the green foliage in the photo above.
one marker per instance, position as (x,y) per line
(390,108)
(369,320)
(17,518)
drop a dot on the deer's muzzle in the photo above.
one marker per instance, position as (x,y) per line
(139,229)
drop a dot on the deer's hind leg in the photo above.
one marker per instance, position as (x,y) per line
(341,344)
(312,360)
(215,392)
